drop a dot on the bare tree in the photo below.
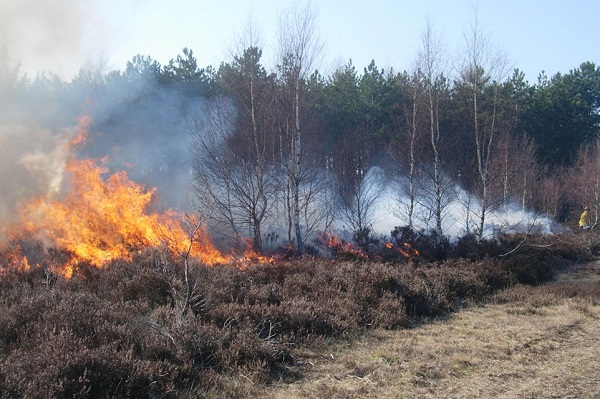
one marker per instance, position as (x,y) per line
(359,186)
(233,137)
(231,174)
(214,174)
(514,163)
(431,65)
(585,178)
(481,73)
(413,129)
(299,48)
(183,242)
(549,194)
(405,151)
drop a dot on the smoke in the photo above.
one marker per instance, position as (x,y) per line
(63,36)
(461,212)
(145,134)
(32,164)
(140,131)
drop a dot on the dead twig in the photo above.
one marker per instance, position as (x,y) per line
(520,244)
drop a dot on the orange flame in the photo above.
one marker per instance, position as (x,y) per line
(407,250)
(340,247)
(14,259)
(25,264)
(252,256)
(99,221)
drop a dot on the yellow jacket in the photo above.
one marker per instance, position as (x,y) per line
(584,219)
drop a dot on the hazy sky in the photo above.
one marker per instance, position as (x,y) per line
(63,36)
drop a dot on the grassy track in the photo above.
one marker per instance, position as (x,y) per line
(540,342)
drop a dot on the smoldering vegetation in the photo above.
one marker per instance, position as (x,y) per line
(277,159)
(209,145)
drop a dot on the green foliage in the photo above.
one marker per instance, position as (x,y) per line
(562,113)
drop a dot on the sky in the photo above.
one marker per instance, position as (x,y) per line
(63,36)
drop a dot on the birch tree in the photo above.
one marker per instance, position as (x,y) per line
(233,168)
(299,49)
(405,149)
(483,69)
(431,66)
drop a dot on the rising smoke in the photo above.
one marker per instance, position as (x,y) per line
(142,132)
(149,141)
(139,129)
(32,164)
(58,36)
(460,215)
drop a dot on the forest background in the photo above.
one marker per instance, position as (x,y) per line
(275,156)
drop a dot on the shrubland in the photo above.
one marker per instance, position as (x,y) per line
(123,330)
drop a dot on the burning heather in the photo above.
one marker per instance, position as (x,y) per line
(343,249)
(99,220)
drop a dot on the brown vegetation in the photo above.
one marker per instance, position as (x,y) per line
(119,331)
(526,342)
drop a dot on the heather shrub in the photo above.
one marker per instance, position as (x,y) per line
(150,287)
(120,330)
(78,346)
(470,247)
(389,312)
(548,294)
(68,367)
(574,246)
(530,270)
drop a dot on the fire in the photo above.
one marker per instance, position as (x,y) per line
(252,256)
(377,251)
(341,248)
(25,263)
(407,250)
(100,220)
(14,258)
(186,235)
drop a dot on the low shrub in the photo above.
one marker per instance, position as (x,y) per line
(120,330)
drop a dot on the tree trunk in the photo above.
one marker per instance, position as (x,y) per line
(296,169)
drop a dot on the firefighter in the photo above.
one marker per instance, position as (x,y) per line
(584,219)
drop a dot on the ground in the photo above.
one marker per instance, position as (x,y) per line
(527,343)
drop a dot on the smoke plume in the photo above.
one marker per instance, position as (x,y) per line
(51,35)
(32,164)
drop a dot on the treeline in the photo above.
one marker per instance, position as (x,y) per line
(276,155)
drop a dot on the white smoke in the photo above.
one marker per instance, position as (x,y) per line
(460,216)
(48,167)
(32,164)
(63,36)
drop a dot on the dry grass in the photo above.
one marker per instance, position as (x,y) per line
(529,343)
